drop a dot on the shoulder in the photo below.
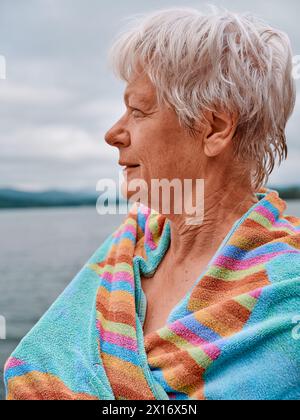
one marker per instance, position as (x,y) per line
(64,341)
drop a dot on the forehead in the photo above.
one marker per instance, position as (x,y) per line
(141,89)
(137,97)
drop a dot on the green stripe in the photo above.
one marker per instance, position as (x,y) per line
(116,327)
(153,226)
(231,275)
(113,269)
(262,220)
(196,353)
(247,301)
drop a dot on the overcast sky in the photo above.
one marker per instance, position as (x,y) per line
(60,97)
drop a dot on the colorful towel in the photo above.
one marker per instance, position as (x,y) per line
(234,336)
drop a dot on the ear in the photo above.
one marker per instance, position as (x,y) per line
(221,128)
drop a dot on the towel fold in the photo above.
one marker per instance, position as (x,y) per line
(234,336)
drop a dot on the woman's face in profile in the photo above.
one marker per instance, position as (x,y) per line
(151,139)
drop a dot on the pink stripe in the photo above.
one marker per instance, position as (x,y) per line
(181,330)
(266,213)
(126,229)
(118,276)
(256,293)
(118,339)
(287,226)
(12,363)
(149,241)
(235,265)
(145,210)
(148,236)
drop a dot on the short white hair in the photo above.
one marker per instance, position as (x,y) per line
(216,61)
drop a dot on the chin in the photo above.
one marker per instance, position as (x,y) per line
(139,195)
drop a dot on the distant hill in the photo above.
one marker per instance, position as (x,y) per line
(288,193)
(11,198)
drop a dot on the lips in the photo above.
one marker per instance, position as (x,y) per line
(130,168)
(129,165)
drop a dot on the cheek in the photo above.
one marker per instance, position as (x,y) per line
(160,166)
(159,152)
(154,167)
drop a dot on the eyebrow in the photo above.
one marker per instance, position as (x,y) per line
(140,99)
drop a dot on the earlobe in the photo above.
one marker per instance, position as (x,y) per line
(221,129)
(213,145)
(208,152)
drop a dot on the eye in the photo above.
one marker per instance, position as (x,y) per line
(137,113)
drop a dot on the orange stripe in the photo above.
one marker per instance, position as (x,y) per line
(212,291)
(126,380)
(225,319)
(177,366)
(122,317)
(42,386)
(246,240)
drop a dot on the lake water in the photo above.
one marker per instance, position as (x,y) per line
(41,251)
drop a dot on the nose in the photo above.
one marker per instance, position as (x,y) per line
(117,136)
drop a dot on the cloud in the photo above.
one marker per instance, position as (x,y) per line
(60,97)
(17,94)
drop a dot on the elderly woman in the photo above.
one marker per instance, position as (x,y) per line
(173,306)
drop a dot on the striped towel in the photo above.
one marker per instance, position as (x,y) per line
(235,335)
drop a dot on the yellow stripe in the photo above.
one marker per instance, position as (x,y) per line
(230,275)
(259,218)
(128,369)
(116,327)
(199,356)
(127,268)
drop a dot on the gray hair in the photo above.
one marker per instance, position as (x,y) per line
(216,61)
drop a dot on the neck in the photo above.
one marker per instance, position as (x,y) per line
(222,208)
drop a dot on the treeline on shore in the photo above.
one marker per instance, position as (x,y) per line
(12,198)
